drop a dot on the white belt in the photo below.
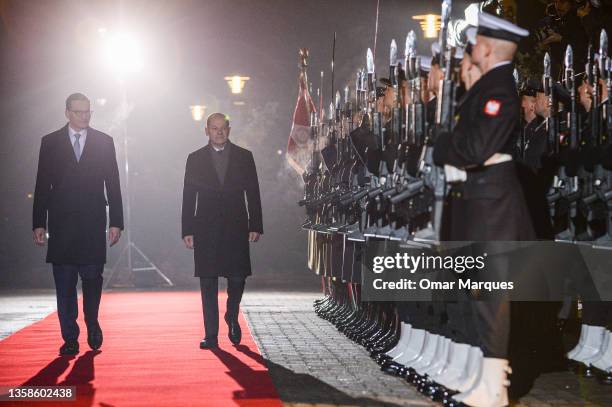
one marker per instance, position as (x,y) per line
(498,158)
(454,174)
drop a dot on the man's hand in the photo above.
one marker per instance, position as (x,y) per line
(39,236)
(253,236)
(188,241)
(114,234)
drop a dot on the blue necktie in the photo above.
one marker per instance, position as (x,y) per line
(77,146)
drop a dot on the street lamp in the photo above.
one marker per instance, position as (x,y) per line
(123,53)
(197,112)
(430,24)
(236,83)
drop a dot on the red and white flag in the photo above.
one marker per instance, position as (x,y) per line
(299,146)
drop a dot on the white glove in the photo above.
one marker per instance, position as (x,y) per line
(454,174)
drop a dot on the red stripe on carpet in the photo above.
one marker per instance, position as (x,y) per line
(150,357)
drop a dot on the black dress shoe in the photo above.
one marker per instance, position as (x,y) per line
(234,332)
(94,337)
(69,348)
(209,343)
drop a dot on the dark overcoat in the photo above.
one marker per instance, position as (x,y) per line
(69,198)
(490,205)
(220,216)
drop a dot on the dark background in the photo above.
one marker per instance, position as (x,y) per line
(50,49)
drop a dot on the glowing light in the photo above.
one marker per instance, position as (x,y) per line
(279,152)
(122,52)
(101,101)
(430,24)
(30,196)
(197,112)
(236,83)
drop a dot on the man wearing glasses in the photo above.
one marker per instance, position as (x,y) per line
(75,166)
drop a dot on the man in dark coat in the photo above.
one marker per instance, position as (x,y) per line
(218,224)
(75,165)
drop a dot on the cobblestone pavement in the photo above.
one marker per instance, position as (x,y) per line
(22,308)
(312,364)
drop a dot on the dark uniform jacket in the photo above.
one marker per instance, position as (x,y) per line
(69,197)
(536,172)
(217,215)
(490,204)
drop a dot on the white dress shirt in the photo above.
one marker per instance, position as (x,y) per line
(82,139)
(217,148)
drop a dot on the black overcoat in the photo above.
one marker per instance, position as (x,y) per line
(220,217)
(490,205)
(69,198)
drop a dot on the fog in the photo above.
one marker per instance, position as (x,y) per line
(50,49)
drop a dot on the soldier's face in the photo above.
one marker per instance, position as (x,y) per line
(528,105)
(218,131)
(434,78)
(390,98)
(404,92)
(466,64)
(563,7)
(425,92)
(585,94)
(480,51)
(470,73)
(541,105)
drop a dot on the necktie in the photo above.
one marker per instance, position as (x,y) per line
(77,146)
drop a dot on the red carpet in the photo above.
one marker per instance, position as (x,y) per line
(150,357)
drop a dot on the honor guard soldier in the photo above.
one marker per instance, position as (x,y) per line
(535,172)
(490,204)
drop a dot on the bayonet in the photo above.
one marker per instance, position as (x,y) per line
(569,58)
(570,86)
(553,137)
(393,62)
(603,51)
(371,79)
(370,62)
(444,24)
(409,54)
(515,74)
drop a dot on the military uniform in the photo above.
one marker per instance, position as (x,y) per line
(536,175)
(489,205)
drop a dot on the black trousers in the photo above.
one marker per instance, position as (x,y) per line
(66,277)
(209,287)
(597,313)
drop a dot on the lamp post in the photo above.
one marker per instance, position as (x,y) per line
(123,52)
